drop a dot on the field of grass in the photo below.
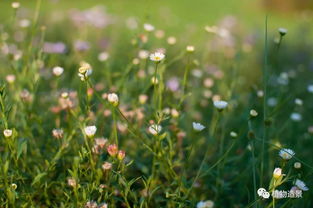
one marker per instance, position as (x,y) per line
(147,104)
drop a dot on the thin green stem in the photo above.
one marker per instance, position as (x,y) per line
(115,126)
(186,73)
(265,128)
(155,86)
(253,163)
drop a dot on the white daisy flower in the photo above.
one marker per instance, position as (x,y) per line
(143,54)
(113,99)
(157,57)
(171,40)
(286,154)
(10,78)
(253,113)
(260,93)
(205,204)
(15,5)
(272,102)
(155,129)
(282,31)
(8,133)
(103,56)
(301,185)
(197,126)
(190,48)
(212,29)
(90,131)
(310,88)
(148,27)
(220,104)
(298,101)
(296,117)
(233,134)
(24,23)
(57,71)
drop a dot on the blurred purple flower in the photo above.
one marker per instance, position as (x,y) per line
(57,47)
(80,45)
(173,84)
(96,17)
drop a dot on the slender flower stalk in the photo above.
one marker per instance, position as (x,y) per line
(155,86)
(265,127)
(115,135)
(252,143)
(156,57)
(186,73)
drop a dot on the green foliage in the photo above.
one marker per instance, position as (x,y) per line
(141,148)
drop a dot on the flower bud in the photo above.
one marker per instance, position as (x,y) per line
(277,173)
(297,165)
(90,131)
(8,133)
(190,49)
(106,166)
(121,155)
(113,99)
(112,150)
(15,5)
(253,113)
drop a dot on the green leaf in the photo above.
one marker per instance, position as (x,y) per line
(6,167)
(21,147)
(38,177)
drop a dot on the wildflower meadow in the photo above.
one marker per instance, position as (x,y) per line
(149,104)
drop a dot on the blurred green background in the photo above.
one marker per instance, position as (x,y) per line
(176,15)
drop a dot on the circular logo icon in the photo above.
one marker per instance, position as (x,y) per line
(261,191)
